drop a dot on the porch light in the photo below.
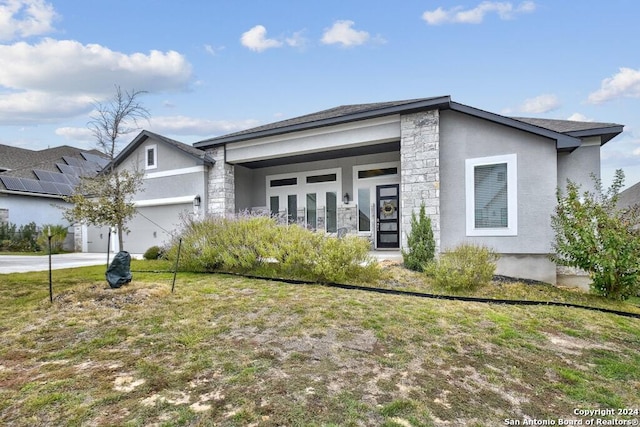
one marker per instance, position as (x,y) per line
(196,202)
(346,198)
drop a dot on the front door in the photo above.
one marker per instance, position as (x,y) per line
(388,216)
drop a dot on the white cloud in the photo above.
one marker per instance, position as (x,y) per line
(297,40)
(183,125)
(256,39)
(457,15)
(75,134)
(33,107)
(61,78)
(540,104)
(213,50)
(578,117)
(25,18)
(342,32)
(624,84)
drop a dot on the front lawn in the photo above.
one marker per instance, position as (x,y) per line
(230,351)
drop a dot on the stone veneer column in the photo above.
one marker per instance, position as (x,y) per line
(221,185)
(78,237)
(420,170)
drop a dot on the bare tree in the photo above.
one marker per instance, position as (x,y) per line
(115,118)
(105,199)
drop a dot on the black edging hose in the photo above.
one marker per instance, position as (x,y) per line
(425,295)
(442,297)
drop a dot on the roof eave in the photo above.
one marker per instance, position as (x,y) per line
(563,142)
(606,134)
(439,102)
(141,138)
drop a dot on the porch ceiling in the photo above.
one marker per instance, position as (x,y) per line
(325,155)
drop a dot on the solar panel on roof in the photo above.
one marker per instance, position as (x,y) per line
(49,187)
(69,170)
(101,161)
(43,175)
(12,183)
(73,179)
(64,189)
(59,178)
(72,160)
(32,185)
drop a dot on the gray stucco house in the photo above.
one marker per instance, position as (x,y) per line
(484,178)
(33,183)
(175,179)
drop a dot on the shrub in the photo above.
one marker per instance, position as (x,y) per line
(154,252)
(593,234)
(465,268)
(258,245)
(224,244)
(58,235)
(19,239)
(421,243)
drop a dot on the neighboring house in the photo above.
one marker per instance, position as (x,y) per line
(34,183)
(174,185)
(484,178)
(629,197)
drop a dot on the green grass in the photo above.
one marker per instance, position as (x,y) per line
(229,351)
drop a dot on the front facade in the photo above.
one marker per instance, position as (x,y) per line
(483,178)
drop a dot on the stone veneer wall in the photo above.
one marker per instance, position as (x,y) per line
(221,184)
(420,170)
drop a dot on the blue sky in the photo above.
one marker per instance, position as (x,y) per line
(214,67)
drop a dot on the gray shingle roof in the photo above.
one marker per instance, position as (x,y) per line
(145,134)
(630,196)
(346,113)
(319,117)
(565,126)
(22,163)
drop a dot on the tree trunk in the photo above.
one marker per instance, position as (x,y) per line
(120,238)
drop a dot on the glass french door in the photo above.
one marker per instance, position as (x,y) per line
(388,216)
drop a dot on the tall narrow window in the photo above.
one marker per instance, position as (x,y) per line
(332,212)
(292,207)
(364,209)
(312,216)
(491,184)
(151,157)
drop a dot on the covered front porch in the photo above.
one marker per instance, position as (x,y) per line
(365,176)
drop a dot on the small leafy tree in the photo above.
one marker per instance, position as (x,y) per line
(422,245)
(106,198)
(594,234)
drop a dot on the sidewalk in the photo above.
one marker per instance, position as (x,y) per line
(26,263)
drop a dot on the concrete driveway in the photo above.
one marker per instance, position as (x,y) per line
(25,263)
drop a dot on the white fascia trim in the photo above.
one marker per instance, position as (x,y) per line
(43,195)
(512,195)
(164,202)
(174,172)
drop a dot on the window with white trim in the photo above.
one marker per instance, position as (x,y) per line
(491,196)
(151,157)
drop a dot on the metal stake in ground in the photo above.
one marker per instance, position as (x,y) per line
(175,267)
(108,246)
(50,282)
